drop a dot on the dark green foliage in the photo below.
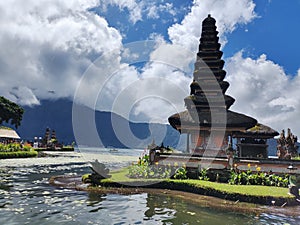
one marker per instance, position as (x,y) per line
(180,173)
(10,112)
(13,147)
(215,175)
(203,175)
(258,178)
(144,160)
(15,150)
(18,154)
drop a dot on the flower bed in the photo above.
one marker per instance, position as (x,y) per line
(16,150)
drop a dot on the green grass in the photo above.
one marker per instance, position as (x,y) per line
(249,190)
(255,190)
(18,154)
(249,193)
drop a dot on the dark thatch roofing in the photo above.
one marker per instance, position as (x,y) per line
(227,118)
(259,130)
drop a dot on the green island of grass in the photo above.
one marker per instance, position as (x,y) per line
(257,194)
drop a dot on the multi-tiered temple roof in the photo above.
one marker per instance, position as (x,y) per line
(208,105)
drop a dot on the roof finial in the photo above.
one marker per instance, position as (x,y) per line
(208,15)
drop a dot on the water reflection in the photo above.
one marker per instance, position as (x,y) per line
(173,210)
(27,198)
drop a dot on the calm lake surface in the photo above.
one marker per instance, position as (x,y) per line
(27,198)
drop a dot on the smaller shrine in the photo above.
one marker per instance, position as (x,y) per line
(49,140)
(287,145)
(252,143)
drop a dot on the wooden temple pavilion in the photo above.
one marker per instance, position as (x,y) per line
(209,124)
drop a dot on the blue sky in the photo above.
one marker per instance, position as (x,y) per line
(275,33)
(48,51)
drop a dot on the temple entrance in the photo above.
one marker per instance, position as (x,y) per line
(203,142)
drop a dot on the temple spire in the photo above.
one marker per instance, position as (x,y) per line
(208,69)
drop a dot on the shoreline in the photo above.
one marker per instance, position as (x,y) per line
(74,182)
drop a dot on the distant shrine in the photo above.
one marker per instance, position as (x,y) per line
(209,124)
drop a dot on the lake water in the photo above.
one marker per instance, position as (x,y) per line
(27,198)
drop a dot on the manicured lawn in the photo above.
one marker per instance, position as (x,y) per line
(251,193)
(254,190)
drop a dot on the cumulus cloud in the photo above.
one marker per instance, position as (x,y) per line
(228,13)
(134,7)
(172,65)
(155,90)
(47,45)
(263,90)
(140,9)
(153,10)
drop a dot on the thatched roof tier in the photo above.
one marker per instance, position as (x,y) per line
(8,133)
(209,39)
(209,86)
(197,100)
(238,121)
(209,46)
(257,131)
(210,55)
(211,63)
(207,73)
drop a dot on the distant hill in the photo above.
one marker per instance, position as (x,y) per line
(57,115)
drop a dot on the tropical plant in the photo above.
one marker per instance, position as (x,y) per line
(10,112)
(258,178)
(149,171)
(203,175)
(180,173)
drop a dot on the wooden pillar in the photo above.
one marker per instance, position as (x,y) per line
(188,142)
(239,148)
(231,140)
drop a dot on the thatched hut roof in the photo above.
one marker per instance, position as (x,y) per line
(258,131)
(232,120)
(8,133)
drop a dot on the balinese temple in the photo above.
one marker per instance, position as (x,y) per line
(209,123)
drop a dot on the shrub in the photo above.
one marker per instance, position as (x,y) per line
(147,171)
(18,154)
(180,173)
(203,175)
(258,178)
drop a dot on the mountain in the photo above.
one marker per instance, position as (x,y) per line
(57,115)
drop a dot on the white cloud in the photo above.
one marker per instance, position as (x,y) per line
(140,9)
(47,45)
(228,14)
(155,91)
(154,11)
(135,8)
(158,88)
(263,90)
